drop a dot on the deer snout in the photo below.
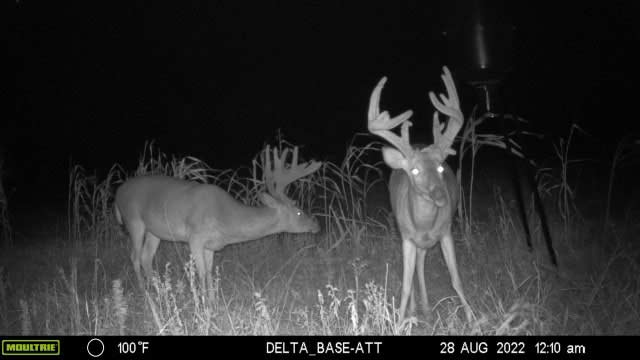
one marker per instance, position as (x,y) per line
(439,196)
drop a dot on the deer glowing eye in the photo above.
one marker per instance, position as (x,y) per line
(440,169)
(298,212)
(415,171)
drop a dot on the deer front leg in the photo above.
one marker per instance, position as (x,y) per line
(208,258)
(197,251)
(449,253)
(420,256)
(408,268)
(412,300)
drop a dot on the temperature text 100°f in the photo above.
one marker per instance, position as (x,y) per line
(132,347)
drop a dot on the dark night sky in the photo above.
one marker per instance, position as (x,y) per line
(94,80)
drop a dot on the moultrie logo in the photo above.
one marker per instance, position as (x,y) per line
(30,347)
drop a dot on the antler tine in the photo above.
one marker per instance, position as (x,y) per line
(294,161)
(381,123)
(279,162)
(448,106)
(283,176)
(267,170)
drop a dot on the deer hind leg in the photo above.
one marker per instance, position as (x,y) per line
(408,268)
(136,231)
(420,256)
(449,254)
(151,243)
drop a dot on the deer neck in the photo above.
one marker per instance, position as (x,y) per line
(254,223)
(426,215)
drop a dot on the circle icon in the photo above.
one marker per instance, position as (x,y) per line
(95,347)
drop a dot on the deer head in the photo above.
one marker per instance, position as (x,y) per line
(277,178)
(424,166)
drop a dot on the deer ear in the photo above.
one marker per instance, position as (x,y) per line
(268,200)
(394,158)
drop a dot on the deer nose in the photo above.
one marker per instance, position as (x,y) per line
(439,197)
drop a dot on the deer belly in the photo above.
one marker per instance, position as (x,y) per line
(425,241)
(214,245)
(168,231)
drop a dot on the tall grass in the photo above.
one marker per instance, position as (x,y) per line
(90,215)
(625,149)
(472,139)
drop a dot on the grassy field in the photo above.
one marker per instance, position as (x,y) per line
(78,279)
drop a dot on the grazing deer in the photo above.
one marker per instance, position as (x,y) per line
(423,188)
(207,217)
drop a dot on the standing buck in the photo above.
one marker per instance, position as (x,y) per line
(207,217)
(424,191)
